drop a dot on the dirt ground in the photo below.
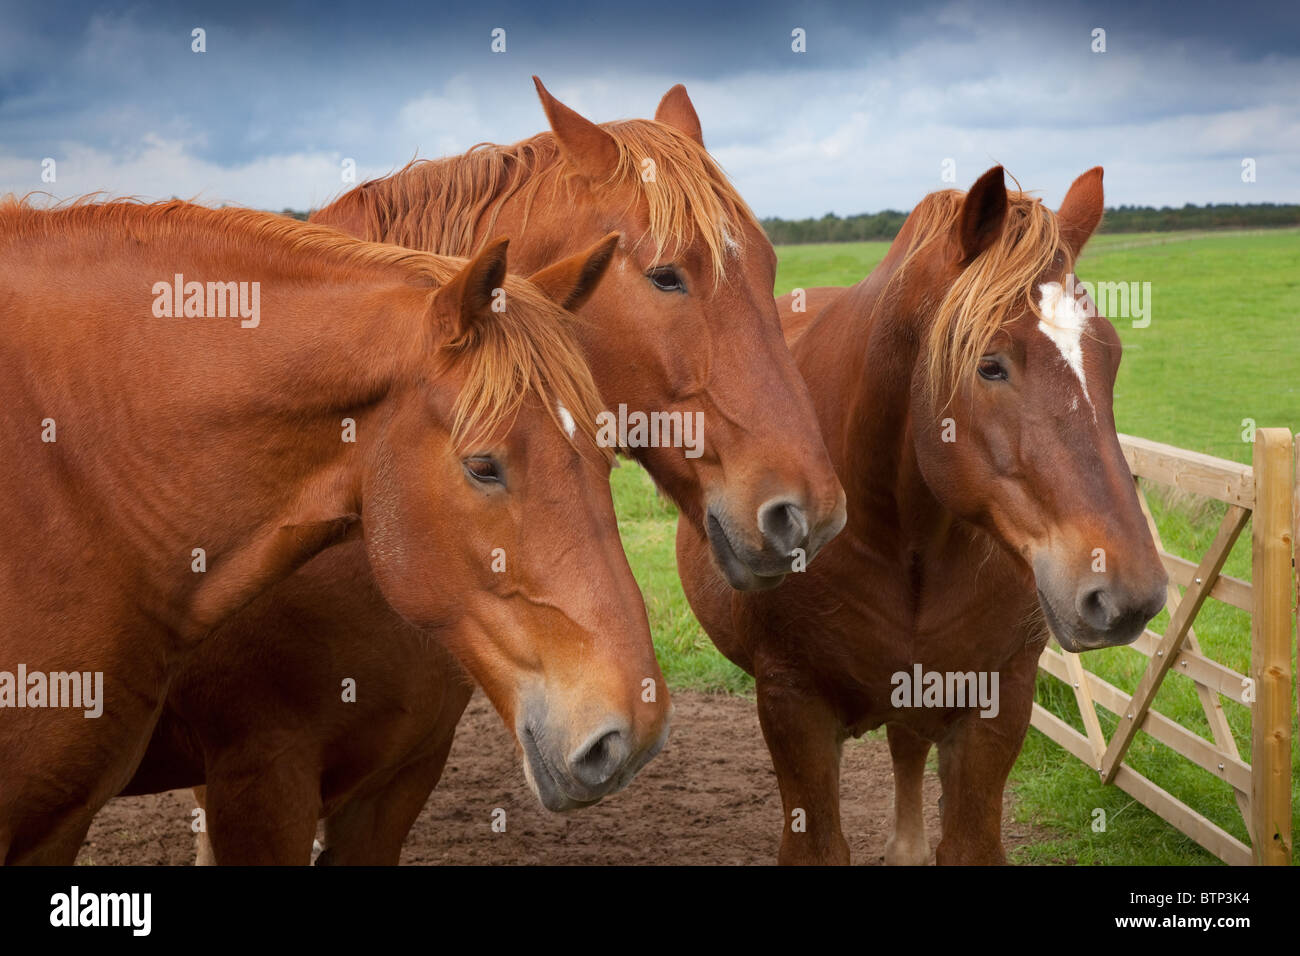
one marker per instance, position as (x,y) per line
(709,798)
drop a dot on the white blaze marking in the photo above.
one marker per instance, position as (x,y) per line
(566,419)
(729,242)
(1064,321)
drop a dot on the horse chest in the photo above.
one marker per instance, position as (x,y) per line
(930,639)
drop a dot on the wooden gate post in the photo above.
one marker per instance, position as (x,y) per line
(1270,666)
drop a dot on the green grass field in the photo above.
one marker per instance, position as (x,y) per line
(1223,346)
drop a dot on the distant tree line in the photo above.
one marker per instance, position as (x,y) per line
(885,225)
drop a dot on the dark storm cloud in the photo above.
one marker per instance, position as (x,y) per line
(862,120)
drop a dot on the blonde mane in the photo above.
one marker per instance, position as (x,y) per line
(439,205)
(525,350)
(990,292)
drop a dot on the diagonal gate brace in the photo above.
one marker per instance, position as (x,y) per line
(1206,573)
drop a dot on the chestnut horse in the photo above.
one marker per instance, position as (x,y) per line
(684,322)
(167,464)
(966,402)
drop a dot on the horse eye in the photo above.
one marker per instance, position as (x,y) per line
(483,470)
(666,279)
(991,370)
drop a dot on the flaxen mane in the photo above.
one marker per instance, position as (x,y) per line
(524,350)
(989,293)
(440,204)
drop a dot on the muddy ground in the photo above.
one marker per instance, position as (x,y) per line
(709,798)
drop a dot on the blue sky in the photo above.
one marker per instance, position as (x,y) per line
(864,120)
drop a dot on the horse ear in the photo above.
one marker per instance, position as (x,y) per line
(469,296)
(585,146)
(677,110)
(1081,211)
(570,282)
(983,213)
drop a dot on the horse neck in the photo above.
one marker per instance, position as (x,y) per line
(864,352)
(318,426)
(279,482)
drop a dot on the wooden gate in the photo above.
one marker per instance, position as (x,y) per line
(1262,786)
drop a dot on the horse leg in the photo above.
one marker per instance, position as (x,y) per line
(262,813)
(62,827)
(62,847)
(370,829)
(908,844)
(804,738)
(975,759)
(60,767)
(203,855)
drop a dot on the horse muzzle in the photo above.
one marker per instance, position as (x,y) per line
(604,761)
(1102,611)
(788,536)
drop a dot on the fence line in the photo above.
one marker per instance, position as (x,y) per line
(1265,495)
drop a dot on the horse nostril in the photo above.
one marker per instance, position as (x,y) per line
(1098,609)
(783,525)
(596,762)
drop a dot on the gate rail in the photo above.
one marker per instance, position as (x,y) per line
(1265,493)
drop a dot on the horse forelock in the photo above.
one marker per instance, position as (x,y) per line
(999,285)
(688,196)
(525,351)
